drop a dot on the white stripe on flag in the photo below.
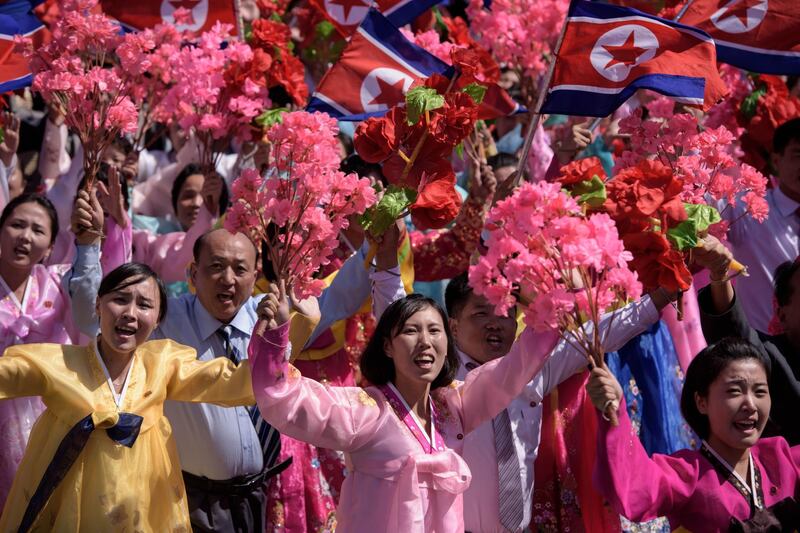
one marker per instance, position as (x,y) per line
(391,54)
(333,104)
(615,90)
(395,7)
(595,20)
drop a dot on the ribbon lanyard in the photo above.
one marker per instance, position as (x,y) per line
(430,443)
(748,489)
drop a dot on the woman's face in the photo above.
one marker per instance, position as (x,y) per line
(128,316)
(190,200)
(419,348)
(737,404)
(25,236)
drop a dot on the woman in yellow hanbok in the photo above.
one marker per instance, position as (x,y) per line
(101,457)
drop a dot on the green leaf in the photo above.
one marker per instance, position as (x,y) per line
(750,103)
(460,150)
(685,235)
(325,29)
(395,201)
(270,117)
(476,91)
(592,192)
(422,99)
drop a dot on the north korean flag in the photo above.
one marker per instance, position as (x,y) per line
(374,72)
(143,14)
(14,71)
(609,52)
(347,15)
(756,35)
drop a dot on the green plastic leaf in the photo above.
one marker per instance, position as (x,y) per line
(750,103)
(460,150)
(685,235)
(270,117)
(325,29)
(592,192)
(421,99)
(476,91)
(395,201)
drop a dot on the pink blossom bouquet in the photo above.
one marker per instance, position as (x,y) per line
(708,161)
(565,267)
(219,90)
(145,60)
(75,71)
(302,201)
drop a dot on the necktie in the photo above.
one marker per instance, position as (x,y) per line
(268,436)
(510,494)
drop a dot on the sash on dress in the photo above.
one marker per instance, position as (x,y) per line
(122,428)
(404,414)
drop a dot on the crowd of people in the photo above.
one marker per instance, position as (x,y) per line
(158,375)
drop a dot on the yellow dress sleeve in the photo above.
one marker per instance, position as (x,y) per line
(20,375)
(218,381)
(300,329)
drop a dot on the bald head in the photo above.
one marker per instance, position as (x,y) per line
(224,272)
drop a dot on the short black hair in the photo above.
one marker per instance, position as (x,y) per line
(705,368)
(784,134)
(129,274)
(503,159)
(33,198)
(378,368)
(456,294)
(783,281)
(356,165)
(190,170)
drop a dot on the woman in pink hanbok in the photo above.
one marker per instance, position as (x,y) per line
(735,481)
(402,437)
(33,308)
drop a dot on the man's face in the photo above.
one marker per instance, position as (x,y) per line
(787,169)
(224,273)
(480,333)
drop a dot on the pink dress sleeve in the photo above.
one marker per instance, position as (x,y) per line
(169,254)
(490,388)
(338,418)
(639,487)
(116,247)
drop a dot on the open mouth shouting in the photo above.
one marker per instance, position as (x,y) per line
(125,332)
(494,341)
(748,426)
(425,361)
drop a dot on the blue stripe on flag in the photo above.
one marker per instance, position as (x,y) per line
(590,103)
(406,12)
(759,60)
(19,83)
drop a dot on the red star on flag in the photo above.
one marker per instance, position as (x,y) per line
(740,9)
(390,93)
(186,4)
(347,5)
(625,54)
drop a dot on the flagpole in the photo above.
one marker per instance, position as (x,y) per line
(237,9)
(683,10)
(533,125)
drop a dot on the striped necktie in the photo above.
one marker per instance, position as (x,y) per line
(268,436)
(510,495)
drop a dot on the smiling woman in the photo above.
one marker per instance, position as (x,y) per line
(736,480)
(127,477)
(33,308)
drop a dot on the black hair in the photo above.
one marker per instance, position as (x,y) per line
(378,368)
(705,368)
(190,170)
(33,198)
(783,281)
(355,164)
(784,134)
(456,294)
(503,159)
(123,144)
(102,176)
(347,142)
(130,274)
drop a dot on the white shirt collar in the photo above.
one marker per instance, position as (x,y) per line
(118,398)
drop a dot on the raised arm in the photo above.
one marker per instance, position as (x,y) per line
(218,381)
(339,418)
(638,487)
(20,375)
(491,387)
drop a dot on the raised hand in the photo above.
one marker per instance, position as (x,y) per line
(274,308)
(87,218)
(387,244)
(10,138)
(111,198)
(212,192)
(605,392)
(714,256)
(483,184)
